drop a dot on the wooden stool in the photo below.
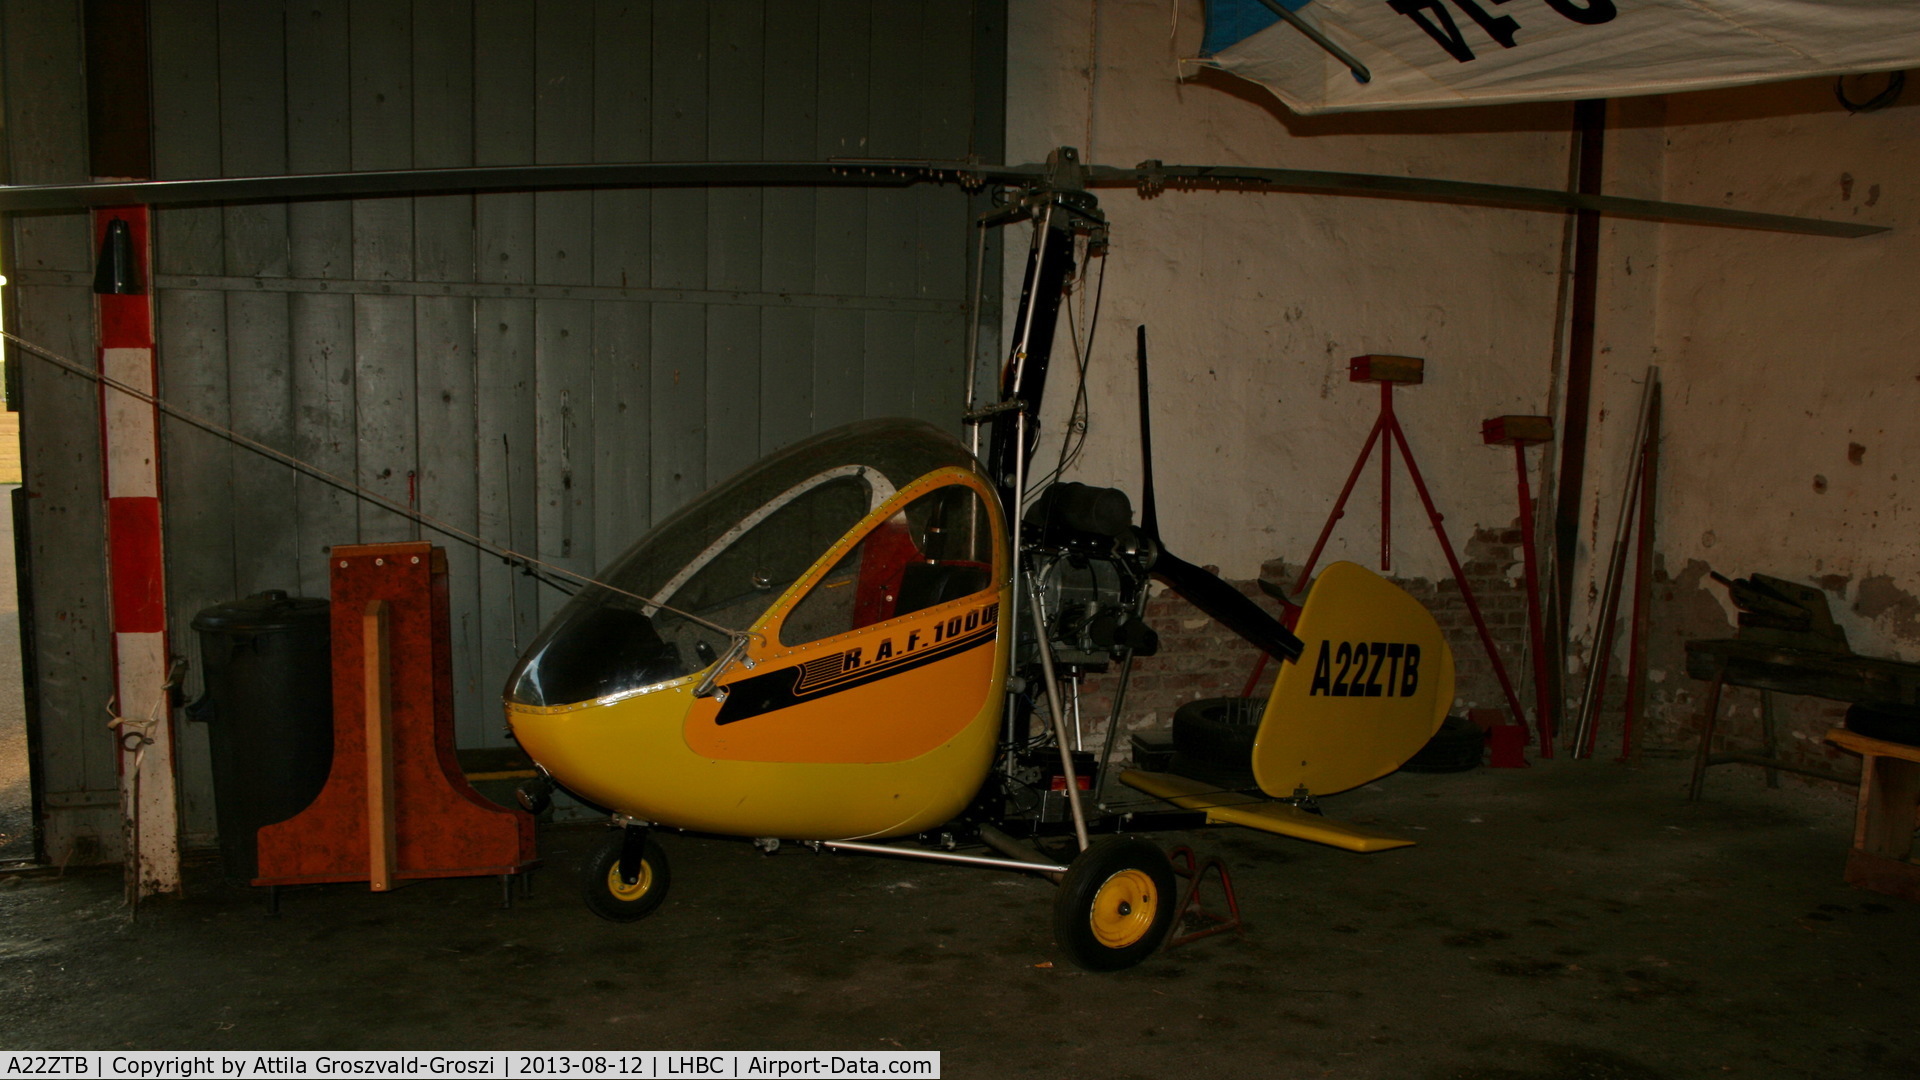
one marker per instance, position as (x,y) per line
(1884,821)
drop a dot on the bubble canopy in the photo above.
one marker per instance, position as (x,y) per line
(726,558)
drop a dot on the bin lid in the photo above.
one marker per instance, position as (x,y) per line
(267,612)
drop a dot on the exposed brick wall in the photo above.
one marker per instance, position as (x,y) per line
(1686,606)
(1199,658)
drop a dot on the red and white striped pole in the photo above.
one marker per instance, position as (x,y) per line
(130,445)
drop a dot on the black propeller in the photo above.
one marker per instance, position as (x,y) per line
(1224,603)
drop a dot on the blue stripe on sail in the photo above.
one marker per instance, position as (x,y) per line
(1230,22)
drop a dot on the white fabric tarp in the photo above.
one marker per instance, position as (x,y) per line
(1431,53)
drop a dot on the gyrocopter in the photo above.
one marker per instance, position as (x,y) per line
(864,637)
(848,641)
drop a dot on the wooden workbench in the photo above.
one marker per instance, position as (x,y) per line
(1884,815)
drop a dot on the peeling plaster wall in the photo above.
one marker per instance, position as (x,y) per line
(1790,377)
(1255,302)
(1793,368)
(1792,382)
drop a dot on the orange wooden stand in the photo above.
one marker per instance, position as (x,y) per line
(396,805)
(1884,815)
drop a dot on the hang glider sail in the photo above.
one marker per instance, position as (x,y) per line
(1352,55)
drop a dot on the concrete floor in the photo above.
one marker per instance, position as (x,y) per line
(1573,920)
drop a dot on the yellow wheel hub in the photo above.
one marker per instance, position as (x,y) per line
(1123,909)
(623,891)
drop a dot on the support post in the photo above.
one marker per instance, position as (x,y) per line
(377,682)
(130,451)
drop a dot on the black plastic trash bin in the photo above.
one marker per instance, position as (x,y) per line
(267,668)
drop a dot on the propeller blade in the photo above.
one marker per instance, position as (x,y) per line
(1149,517)
(1151,176)
(1227,605)
(1148,177)
(505,178)
(1220,601)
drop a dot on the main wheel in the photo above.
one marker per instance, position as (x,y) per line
(1115,904)
(611,896)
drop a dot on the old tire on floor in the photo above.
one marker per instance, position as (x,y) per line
(1459,745)
(1218,731)
(1115,904)
(612,897)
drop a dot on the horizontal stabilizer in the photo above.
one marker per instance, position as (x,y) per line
(1235,808)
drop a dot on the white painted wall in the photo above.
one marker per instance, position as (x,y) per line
(1255,302)
(1780,352)
(1777,351)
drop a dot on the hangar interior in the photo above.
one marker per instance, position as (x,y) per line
(556,371)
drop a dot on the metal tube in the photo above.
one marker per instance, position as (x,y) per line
(1588,719)
(973,338)
(1536,626)
(1360,72)
(942,856)
(1059,715)
(1014,849)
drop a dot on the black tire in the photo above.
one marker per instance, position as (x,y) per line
(1218,731)
(1115,904)
(609,897)
(1459,745)
(1893,723)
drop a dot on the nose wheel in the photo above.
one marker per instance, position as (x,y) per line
(1115,904)
(627,877)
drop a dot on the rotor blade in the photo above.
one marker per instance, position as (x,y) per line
(1227,605)
(1149,516)
(504,178)
(1151,176)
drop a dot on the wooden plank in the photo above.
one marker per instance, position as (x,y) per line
(622,495)
(564,439)
(622,132)
(678,405)
(444,392)
(186,136)
(734,133)
(888,358)
(679,111)
(734,395)
(376,686)
(735,95)
(189,141)
(840,230)
(891,221)
(198,516)
(320,344)
(449,491)
(504,102)
(381,96)
(622,451)
(788,133)
(940,370)
(443,94)
(320,231)
(320,246)
(264,512)
(384,379)
(839,356)
(504,451)
(503,135)
(253,129)
(786,377)
(563,134)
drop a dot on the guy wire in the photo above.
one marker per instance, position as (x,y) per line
(526,563)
